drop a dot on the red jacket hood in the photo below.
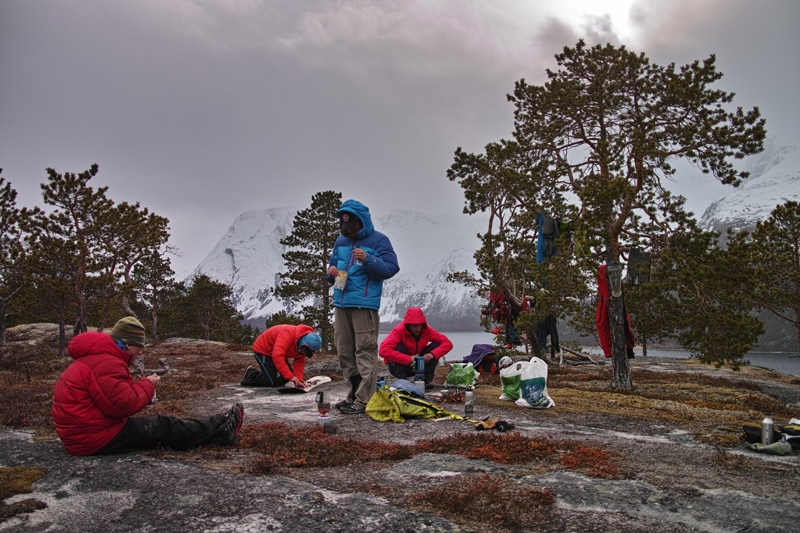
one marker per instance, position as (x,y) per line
(93,342)
(414,315)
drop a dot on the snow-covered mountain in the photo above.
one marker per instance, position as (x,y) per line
(248,259)
(774,179)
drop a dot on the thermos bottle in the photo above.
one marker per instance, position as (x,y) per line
(469,403)
(766,429)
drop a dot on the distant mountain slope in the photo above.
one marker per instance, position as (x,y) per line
(428,247)
(775,178)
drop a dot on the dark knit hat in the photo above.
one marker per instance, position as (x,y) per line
(128,330)
(349,222)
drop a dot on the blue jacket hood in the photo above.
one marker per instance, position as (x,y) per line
(362,212)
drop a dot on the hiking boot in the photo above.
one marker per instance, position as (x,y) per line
(341,404)
(428,386)
(233,425)
(352,409)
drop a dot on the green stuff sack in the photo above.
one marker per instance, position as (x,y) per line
(461,375)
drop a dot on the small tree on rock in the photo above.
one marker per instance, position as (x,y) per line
(308,249)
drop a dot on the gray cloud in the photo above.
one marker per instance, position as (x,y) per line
(202,109)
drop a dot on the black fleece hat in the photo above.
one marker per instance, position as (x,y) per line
(349,222)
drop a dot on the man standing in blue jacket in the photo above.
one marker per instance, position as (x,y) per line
(361,259)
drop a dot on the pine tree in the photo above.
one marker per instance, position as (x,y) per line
(128,234)
(80,212)
(595,144)
(774,249)
(309,248)
(205,311)
(154,280)
(12,278)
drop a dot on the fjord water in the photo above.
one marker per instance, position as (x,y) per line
(778,361)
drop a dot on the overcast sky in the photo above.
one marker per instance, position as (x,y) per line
(203,109)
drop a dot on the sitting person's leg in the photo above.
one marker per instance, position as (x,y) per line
(176,433)
(270,374)
(398,370)
(430,366)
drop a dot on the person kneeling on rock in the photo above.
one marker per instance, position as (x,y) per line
(272,349)
(96,397)
(413,336)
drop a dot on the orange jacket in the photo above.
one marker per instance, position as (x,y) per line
(280,343)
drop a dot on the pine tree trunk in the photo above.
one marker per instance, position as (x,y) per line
(644,346)
(62,335)
(2,326)
(154,316)
(616,316)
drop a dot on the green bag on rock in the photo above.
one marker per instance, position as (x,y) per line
(461,375)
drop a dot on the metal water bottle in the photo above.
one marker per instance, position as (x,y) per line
(766,429)
(469,404)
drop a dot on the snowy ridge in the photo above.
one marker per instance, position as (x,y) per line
(775,178)
(429,247)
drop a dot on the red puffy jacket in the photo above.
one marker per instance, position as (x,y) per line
(280,343)
(413,346)
(96,394)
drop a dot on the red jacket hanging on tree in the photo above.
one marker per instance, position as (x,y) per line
(601,319)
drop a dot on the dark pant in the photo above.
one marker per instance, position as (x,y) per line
(404,371)
(163,430)
(268,376)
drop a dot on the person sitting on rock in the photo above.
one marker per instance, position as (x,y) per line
(96,397)
(413,336)
(272,349)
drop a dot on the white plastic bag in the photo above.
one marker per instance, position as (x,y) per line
(533,386)
(510,378)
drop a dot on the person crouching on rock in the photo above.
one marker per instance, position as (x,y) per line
(272,349)
(413,336)
(96,396)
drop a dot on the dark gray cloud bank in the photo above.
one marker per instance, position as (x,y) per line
(203,109)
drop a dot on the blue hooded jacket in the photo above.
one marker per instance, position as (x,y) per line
(364,279)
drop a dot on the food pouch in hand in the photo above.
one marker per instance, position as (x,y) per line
(341,280)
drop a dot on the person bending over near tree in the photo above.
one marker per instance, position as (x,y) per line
(413,336)
(362,258)
(96,396)
(272,349)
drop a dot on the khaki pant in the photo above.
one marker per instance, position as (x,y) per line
(355,333)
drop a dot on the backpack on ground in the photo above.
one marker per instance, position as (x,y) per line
(397,405)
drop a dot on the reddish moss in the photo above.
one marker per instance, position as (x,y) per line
(311,447)
(506,449)
(593,462)
(496,500)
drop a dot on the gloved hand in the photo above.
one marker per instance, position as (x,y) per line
(486,423)
(494,423)
(502,426)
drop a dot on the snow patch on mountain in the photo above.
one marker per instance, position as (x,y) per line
(774,179)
